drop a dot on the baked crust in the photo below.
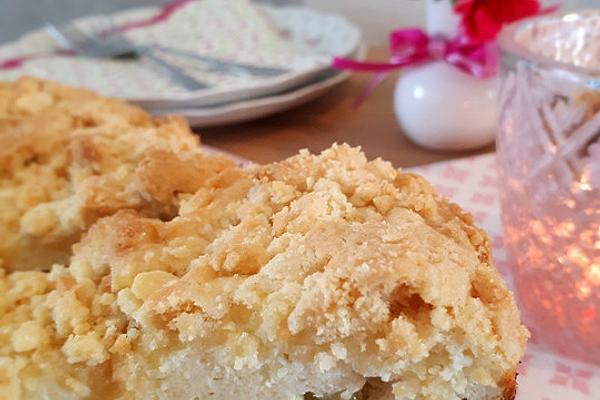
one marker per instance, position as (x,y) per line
(509,386)
(325,274)
(69,157)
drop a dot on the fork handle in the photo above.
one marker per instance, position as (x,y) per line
(176,74)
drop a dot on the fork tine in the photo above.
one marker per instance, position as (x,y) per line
(59,35)
(78,35)
(68,36)
(90,42)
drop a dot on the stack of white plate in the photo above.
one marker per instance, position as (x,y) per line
(293,44)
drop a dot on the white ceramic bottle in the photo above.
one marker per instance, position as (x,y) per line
(437,105)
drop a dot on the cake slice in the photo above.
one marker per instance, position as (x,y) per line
(318,277)
(69,157)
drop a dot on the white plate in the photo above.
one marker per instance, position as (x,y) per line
(257,108)
(242,34)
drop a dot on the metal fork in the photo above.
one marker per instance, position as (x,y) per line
(231,67)
(112,44)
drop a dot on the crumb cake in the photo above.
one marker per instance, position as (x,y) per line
(319,277)
(69,157)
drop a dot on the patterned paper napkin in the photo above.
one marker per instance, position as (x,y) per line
(471,182)
(300,41)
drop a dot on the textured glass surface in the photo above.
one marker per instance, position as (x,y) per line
(549,165)
(571,39)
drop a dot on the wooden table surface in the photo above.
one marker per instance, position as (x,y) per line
(330,119)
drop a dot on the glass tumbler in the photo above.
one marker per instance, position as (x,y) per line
(548,155)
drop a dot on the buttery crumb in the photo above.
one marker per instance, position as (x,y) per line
(69,157)
(327,274)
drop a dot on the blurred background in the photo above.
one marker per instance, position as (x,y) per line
(257,83)
(375,17)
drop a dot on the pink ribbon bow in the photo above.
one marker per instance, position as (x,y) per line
(412,46)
